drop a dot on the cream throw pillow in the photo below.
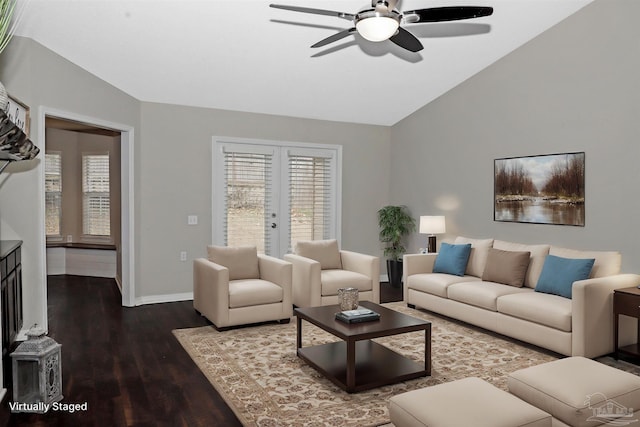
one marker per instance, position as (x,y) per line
(242,261)
(478,256)
(326,252)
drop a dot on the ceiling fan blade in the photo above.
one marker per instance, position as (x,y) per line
(448,13)
(335,37)
(347,16)
(405,39)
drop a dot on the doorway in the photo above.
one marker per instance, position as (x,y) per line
(269,194)
(123,239)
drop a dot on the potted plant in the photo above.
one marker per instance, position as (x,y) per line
(7,29)
(395,223)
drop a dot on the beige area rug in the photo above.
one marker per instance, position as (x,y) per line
(258,374)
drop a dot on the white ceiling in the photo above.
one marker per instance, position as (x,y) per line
(243,55)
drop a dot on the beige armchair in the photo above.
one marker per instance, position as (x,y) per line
(236,286)
(320,269)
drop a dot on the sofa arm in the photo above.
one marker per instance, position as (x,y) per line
(417,263)
(592,313)
(211,291)
(305,281)
(279,272)
(368,265)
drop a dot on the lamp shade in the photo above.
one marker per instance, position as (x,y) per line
(432,225)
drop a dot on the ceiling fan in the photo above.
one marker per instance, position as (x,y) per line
(382,21)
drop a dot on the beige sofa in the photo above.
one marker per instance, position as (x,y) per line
(578,326)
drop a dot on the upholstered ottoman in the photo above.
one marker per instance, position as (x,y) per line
(466,402)
(579,392)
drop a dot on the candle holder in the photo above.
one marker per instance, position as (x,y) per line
(348,298)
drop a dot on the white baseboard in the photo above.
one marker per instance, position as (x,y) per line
(384,278)
(157,299)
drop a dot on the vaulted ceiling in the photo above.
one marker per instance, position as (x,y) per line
(243,55)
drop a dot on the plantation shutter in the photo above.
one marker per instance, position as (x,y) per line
(53,192)
(95,194)
(248,198)
(311,196)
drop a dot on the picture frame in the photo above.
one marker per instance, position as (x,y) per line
(540,189)
(19,114)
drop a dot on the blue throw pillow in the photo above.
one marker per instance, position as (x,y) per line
(558,274)
(452,259)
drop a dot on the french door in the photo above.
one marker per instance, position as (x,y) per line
(270,194)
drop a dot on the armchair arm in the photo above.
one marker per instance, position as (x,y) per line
(307,289)
(368,265)
(279,272)
(211,291)
(592,313)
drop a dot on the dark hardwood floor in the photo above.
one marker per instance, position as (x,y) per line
(125,362)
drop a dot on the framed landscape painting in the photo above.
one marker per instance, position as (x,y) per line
(545,189)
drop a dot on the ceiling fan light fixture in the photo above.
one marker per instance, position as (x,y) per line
(377,27)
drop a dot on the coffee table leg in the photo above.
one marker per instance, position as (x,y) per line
(299,333)
(351,364)
(427,350)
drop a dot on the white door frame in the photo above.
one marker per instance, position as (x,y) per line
(127,199)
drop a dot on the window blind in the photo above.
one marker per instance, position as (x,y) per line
(310,197)
(53,192)
(248,199)
(95,195)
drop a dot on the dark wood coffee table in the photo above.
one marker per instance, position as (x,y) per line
(356,363)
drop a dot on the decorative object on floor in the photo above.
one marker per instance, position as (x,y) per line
(259,376)
(382,21)
(545,189)
(432,225)
(395,224)
(37,372)
(348,298)
(14,144)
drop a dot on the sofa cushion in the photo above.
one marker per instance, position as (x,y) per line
(545,309)
(558,274)
(242,261)
(538,253)
(334,279)
(452,259)
(507,267)
(250,292)
(478,254)
(326,252)
(482,294)
(607,263)
(578,391)
(436,283)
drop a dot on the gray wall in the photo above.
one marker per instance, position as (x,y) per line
(175,171)
(573,88)
(38,77)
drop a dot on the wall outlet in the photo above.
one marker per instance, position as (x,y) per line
(69,238)
(192,220)
(183,255)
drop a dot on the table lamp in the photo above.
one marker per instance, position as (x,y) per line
(432,225)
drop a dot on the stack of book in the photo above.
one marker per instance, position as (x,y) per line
(357,316)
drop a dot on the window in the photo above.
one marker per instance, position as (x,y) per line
(310,197)
(270,194)
(96,220)
(53,193)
